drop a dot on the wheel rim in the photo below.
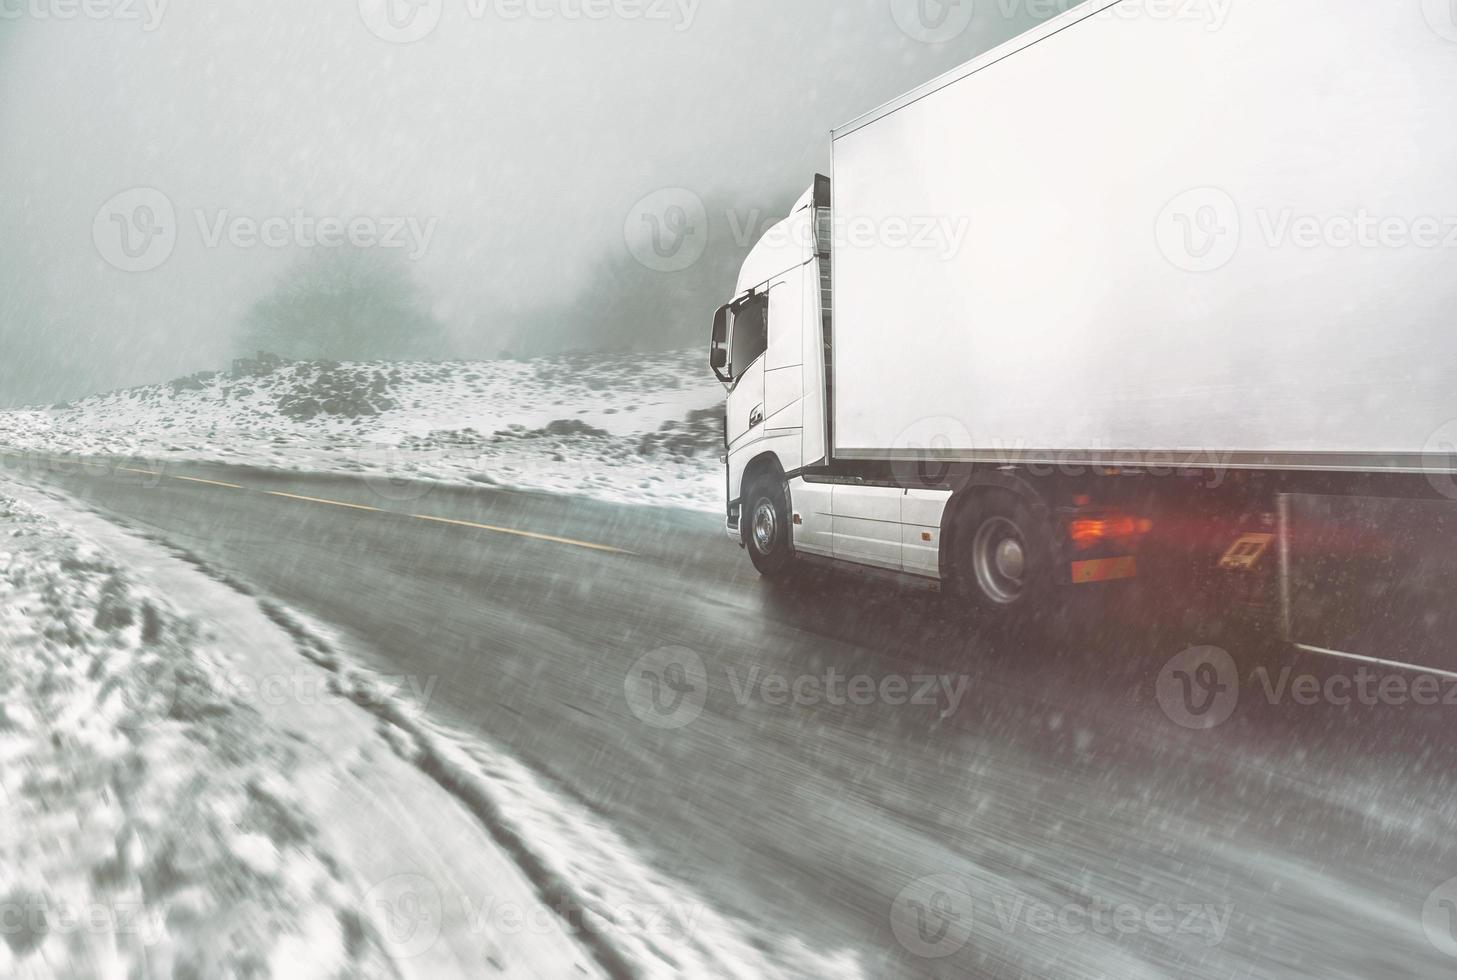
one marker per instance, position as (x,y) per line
(999,558)
(765,527)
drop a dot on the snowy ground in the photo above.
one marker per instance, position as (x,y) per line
(148,820)
(639,428)
(207,786)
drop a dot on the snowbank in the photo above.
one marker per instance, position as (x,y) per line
(237,797)
(148,828)
(640,428)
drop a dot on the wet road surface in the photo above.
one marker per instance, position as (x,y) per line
(850,761)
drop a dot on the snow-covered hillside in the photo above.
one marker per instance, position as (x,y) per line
(640,428)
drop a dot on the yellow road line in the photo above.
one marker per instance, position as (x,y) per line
(206,483)
(320,500)
(523,534)
(513,532)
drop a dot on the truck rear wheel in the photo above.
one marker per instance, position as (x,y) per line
(1002,562)
(767,533)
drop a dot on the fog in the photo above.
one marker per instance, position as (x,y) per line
(501,159)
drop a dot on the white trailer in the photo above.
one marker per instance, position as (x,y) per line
(1149,258)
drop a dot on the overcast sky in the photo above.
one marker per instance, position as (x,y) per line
(506,150)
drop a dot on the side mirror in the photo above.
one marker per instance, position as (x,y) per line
(718,355)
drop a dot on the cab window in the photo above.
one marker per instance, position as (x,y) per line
(751,332)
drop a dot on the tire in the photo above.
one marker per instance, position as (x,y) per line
(1002,558)
(767,533)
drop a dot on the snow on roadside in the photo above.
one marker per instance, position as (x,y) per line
(147,829)
(629,428)
(638,922)
(135,790)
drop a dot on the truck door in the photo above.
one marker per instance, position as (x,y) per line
(749,341)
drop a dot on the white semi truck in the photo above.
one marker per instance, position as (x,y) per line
(1137,294)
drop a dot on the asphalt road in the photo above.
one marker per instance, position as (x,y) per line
(1077,830)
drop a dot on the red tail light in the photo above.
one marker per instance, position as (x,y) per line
(1088,532)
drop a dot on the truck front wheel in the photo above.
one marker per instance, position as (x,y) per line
(767,532)
(1002,559)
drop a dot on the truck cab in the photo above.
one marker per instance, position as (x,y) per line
(772,348)
(768,350)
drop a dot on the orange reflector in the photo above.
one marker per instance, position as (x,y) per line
(799,521)
(926,536)
(1104,570)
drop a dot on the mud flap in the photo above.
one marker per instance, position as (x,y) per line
(1371,576)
